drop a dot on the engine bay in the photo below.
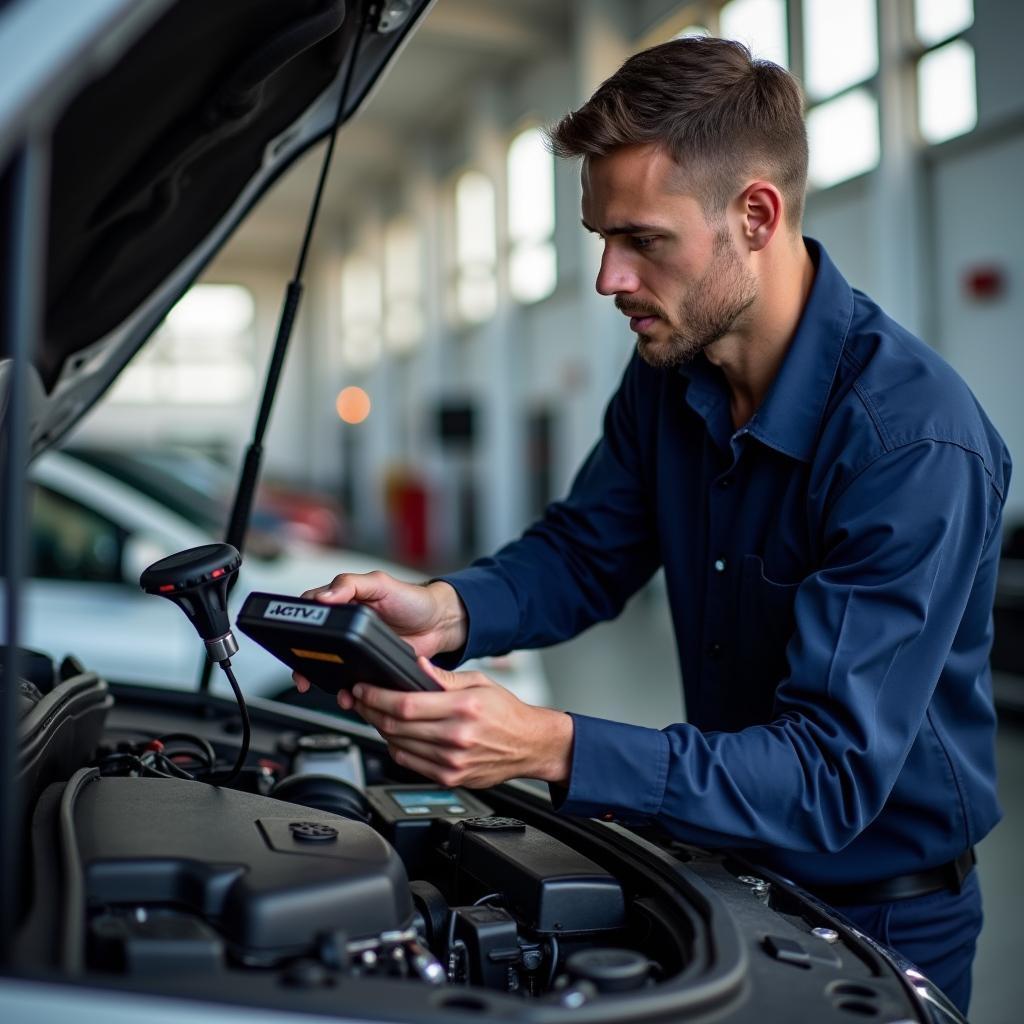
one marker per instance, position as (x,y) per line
(319,865)
(325,878)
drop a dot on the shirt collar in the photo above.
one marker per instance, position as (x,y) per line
(790,416)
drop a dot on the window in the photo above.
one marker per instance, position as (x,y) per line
(761,24)
(935,21)
(403,286)
(840,44)
(202,354)
(841,62)
(360,312)
(947,102)
(72,542)
(476,288)
(842,135)
(531,217)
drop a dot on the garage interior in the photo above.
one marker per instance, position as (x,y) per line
(483,359)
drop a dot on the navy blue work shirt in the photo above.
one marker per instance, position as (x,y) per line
(831,567)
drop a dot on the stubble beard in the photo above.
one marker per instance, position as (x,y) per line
(712,308)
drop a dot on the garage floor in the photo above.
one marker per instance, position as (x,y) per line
(599,673)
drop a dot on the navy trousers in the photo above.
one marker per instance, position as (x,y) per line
(937,933)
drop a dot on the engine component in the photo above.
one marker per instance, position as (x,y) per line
(270,876)
(490,938)
(137,941)
(550,887)
(405,816)
(610,970)
(324,793)
(328,753)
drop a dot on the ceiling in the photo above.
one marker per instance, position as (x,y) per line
(423,93)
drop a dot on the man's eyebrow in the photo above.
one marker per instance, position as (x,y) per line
(627,229)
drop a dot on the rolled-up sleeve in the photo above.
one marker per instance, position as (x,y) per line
(875,624)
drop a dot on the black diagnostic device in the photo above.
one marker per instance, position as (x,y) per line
(333,646)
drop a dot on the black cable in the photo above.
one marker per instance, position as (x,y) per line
(554,960)
(243,751)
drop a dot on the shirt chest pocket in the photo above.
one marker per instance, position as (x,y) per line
(765,624)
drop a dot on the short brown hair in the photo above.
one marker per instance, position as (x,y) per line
(718,112)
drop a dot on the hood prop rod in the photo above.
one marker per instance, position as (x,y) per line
(241,510)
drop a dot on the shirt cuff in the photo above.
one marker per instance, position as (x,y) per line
(618,772)
(491,611)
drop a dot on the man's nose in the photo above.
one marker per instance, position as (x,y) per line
(615,277)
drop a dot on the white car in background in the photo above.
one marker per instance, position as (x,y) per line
(93,534)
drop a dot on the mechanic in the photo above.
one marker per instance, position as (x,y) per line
(825,495)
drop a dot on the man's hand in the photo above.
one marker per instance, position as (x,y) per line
(429,618)
(475,734)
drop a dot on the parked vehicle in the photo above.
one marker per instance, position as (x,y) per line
(93,532)
(199,487)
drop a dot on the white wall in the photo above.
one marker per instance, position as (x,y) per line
(979,221)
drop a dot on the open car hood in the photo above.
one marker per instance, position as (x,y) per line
(167,120)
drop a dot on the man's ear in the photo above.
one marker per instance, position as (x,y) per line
(761,213)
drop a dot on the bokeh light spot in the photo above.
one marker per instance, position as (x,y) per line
(353,405)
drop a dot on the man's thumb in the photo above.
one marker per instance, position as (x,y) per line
(445,679)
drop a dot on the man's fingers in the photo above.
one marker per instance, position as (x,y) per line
(353,586)
(345,700)
(302,684)
(401,704)
(442,732)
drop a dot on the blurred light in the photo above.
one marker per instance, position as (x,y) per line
(531,188)
(360,312)
(353,405)
(210,309)
(404,325)
(360,291)
(946,92)
(403,286)
(532,271)
(841,44)
(761,24)
(843,138)
(200,355)
(474,219)
(476,289)
(476,296)
(935,20)
(533,267)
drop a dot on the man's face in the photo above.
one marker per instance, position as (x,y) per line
(678,277)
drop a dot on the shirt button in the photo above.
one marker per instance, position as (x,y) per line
(719,565)
(726,481)
(714,650)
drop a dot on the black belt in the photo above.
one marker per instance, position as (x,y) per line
(903,887)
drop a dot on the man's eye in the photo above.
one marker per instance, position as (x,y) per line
(643,242)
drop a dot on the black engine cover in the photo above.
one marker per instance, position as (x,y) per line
(269,876)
